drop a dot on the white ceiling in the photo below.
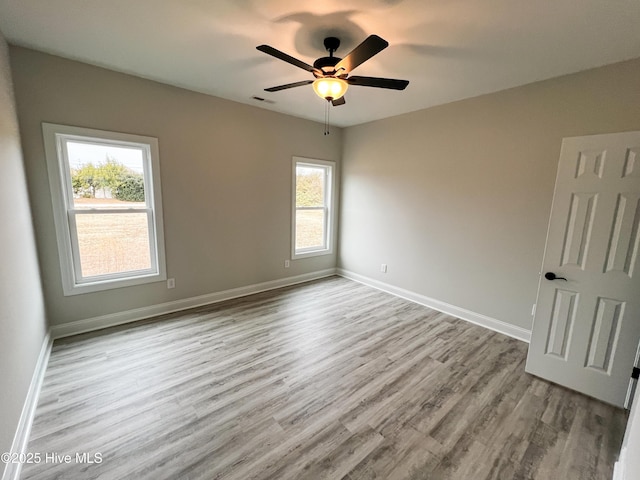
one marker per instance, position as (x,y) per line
(447,49)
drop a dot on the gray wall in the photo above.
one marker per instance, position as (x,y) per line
(22,317)
(225,169)
(456,199)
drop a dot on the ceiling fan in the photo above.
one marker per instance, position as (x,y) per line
(332,73)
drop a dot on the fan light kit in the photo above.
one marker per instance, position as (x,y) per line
(332,73)
(330,88)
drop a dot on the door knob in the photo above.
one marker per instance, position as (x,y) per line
(552,276)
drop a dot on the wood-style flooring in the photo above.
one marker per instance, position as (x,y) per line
(325,380)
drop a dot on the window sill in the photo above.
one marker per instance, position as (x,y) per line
(102,285)
(312,253)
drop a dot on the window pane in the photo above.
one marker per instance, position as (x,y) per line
(113,243)
(310,183)
(106,176)
(309,228)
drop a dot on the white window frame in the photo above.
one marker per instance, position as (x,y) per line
(328,207)
(64,212)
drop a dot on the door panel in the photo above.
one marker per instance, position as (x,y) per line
(563,316)
(623,241)
(586,328)
(604,334)
(579,228)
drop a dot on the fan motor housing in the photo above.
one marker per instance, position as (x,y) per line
(327,64)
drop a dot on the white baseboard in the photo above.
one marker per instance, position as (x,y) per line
(618,468)
(513,331)
(111,320)
(21,437)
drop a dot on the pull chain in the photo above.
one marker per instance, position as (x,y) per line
(326,118)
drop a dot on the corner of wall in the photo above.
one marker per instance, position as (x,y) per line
(24,343)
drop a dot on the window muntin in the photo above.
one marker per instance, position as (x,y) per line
(106,189)
(312,215)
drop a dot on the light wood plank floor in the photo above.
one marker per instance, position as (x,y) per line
(329,379)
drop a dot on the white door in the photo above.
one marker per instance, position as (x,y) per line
(586,328)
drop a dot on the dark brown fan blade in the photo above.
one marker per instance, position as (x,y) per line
(287,58)
(372,45)
(338,102)
(288,85)
(391,83)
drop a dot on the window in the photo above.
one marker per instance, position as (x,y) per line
(313,182)
(105,188)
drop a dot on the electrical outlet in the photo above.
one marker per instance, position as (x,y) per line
(383,268)
(286,264)
(171,283)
